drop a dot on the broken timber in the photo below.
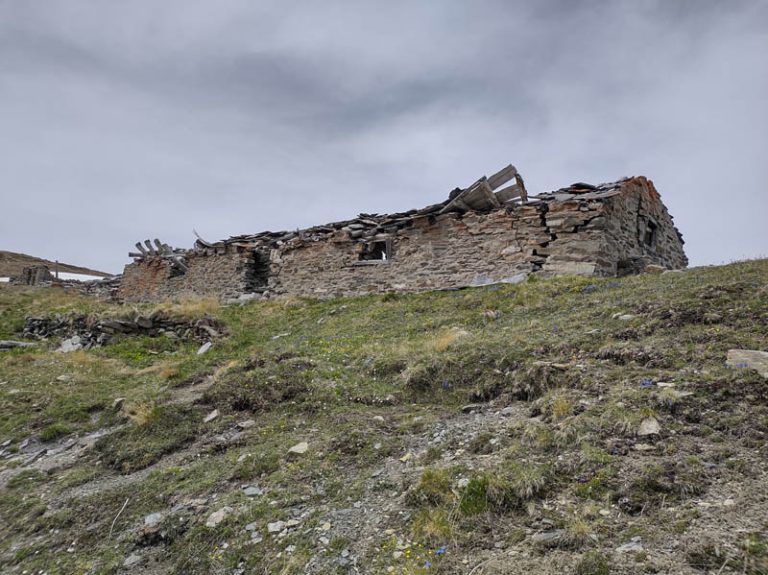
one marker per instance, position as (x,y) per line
(160,250)
(482,195)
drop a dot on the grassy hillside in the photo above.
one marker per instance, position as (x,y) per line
(575,425)
(12,264)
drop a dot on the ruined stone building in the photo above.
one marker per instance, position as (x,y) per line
(482,234)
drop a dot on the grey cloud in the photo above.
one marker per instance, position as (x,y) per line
(148,119)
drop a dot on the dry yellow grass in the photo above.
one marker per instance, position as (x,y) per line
(80,358)
(141,413)
(224,369)
(561,408)
(445,340)
(165,370)
(291,301)
(190,308)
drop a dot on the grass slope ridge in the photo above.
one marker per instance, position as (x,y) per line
(12,264)
(574,425)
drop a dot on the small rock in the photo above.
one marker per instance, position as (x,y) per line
(751,358)
(74,343)
(118,403)
(204,348)
(275,527)
(218,516)
(472,407)
(508,411)
(209,330)
(64,378)
(252,491)
(626,317)
(634,545)
(649,426)
(326,526)
(407,457)
(256,537)
(153,519)
(548,538)
(132,560)
(654,269)
(211,416)
(243,457)
(378,419)
(247,424)
(251,526)
(299,449)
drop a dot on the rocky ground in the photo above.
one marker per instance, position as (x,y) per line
(575,425)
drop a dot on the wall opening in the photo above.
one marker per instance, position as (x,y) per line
(649,238)
(376,251)
(647,230)
(257,271)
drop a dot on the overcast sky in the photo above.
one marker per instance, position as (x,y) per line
(121,121)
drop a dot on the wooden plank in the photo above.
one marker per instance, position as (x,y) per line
(479,197)
(141,248)
(150,249)
(509,193)
(502,176)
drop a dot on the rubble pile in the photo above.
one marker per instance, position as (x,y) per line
(93,331)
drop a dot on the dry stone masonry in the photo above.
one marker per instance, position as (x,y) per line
(485,233)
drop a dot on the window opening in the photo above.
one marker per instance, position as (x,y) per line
(376,251)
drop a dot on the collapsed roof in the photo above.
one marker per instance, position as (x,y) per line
(486,194)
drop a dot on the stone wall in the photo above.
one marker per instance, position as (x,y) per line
(219,275)
(445,251)
(639,231)
(606,230)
